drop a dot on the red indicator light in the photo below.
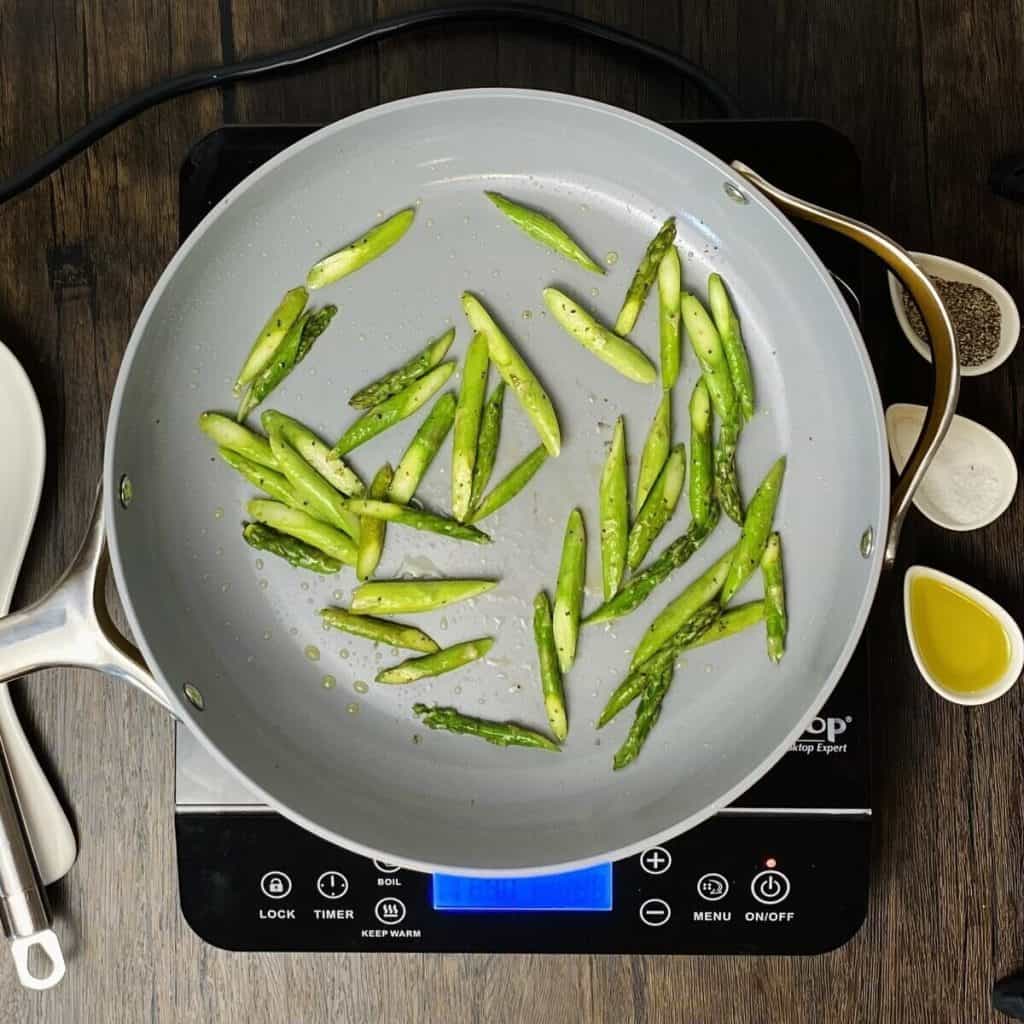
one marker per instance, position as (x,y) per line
(770,862)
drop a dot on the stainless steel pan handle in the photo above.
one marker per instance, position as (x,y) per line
(72,626)
(945,355)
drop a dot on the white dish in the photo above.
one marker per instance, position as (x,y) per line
(1013,634)
(950,270)
(972,479)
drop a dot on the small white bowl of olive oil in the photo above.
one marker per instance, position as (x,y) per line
(966,646)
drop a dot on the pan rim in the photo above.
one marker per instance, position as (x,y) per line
(184,713)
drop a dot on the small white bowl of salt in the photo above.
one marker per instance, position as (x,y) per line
(984,315)
(973,477)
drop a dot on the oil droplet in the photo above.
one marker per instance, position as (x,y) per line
(293,631)
(218,513)
(451,255)
(495,272)
(329,682)
(430,222)
(250,660)
(611,258)
(595,292)
(444,621)
(267,634)
(312,652)
(259,563)
(219,552)
(353,708)
(419,202)
(344,653)
(264,584)
(225,587)
(338,596)
(458,690)
(361,686)
(304,586)
(527,314)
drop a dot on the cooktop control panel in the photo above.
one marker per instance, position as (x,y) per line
(736,884)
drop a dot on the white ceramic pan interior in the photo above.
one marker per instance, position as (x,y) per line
(355,766)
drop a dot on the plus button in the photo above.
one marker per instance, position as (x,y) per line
(656,861)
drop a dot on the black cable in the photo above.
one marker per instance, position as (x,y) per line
(288,60)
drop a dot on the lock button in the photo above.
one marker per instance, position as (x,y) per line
(275,885)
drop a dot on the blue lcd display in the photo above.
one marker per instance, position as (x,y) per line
(587,889)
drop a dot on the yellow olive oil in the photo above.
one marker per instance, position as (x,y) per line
(963,646)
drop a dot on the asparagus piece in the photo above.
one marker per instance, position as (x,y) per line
(446,660)
(637,590)
(417,519)
(467,424)
(422,449)
(288,310)
(371,531)
(701,485)
(394,409)
(543,229)
(398,380)
(644,277)
(732,341)
(669,286)
(267,480)
(505,490)
(318,454)
(618,353)
(645,674)
(400,597)
(550,674)
(707,347)
(226,433)
(487,445)
(652,459)
(676,613)
(292,350)
(516,374)
(304,527)
(569,590)
(316,495)
(292,550)
(776,621)
(614,505)
(731,622)
(394,634)
(756,527)
(372,244)
(658,509)
(501,734)
(647,714)
(727,485)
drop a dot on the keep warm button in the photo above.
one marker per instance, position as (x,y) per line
(769,887)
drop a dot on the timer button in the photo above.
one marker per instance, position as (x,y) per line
(769,887)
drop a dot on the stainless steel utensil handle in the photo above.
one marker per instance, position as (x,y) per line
(945,355)
(72,626)
(24,912)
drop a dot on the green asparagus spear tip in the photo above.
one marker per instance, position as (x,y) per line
(446,660)
(776,621)
(467,424)
(487,445)
(501,734)
(288,310)
(652,459)
(422,449)
(732,341)
(550,674)
(756,527)
(569,590)
(543,229)
(394,634)
(701,482)
(618,353)
(732,621)
(647,714)
(669,286)
(402,597)
(658,509)
(418,519)
(394,409)
(318,454)
(644,277)
(727,485)
(707,347)
(226,433)
(516,374)
(505,490)
(614,505)
(391,383)
(369,246)
(298,553)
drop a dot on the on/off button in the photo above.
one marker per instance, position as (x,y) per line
(769,887)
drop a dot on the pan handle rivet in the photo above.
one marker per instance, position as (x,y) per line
(125,491)
(867,542)
(195,698)
(735,193)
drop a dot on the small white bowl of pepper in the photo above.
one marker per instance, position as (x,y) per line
(984,315)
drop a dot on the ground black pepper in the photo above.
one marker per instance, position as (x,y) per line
(975,316)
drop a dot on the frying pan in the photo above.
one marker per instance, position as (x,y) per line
(231,644)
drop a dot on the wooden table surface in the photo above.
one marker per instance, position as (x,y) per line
(929,90)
